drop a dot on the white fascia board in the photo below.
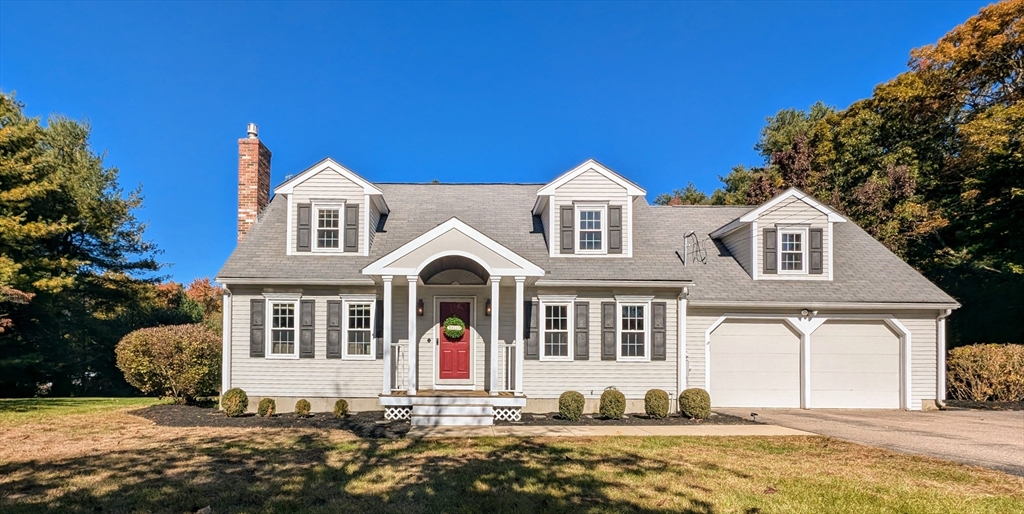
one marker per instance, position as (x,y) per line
(823,305)
(833,216)
(591,164)
(326,164)
(539,205)
(725,230)
(526,268)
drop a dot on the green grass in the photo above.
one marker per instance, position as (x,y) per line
(124,464)
(21,410)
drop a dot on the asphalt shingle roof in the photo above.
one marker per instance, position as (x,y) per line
(865,271)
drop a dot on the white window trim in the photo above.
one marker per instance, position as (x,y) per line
(346,300)
(804,243)
(576,233)
(626,301)
(568,301)
(268,318)
(314,223)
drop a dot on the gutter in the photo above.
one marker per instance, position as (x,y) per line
(826,305)
(667,284)
(297,281)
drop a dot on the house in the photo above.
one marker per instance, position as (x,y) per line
(516,293)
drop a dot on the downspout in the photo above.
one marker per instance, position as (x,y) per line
(681,344)
(225,358)
(940,357)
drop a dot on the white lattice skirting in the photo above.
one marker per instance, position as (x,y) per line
(508,413)
(397,413)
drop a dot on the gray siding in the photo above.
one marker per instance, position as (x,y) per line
(739,242)
(327,185)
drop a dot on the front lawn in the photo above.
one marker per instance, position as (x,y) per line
(113,461)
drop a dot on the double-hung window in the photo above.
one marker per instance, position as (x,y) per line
(792,250)
(556,327)
(327,223)
(591,228)
(283,333)
(358,325)
(634,329)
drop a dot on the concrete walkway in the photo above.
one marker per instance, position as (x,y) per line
(591,431)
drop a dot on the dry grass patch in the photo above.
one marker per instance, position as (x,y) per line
(121,463)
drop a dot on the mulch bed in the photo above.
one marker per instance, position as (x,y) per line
(363,424)
(630,420)
(968,404)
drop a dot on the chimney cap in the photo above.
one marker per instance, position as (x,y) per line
(253,130)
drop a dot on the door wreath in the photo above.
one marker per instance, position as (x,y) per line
(454,327)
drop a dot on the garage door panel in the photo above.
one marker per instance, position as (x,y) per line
(754,364)
(855,364)
(858,363)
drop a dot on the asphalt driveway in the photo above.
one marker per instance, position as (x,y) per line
(993,439)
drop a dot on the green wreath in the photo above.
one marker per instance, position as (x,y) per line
(450,330)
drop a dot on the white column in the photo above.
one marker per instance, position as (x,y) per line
(225,363)
(492,384)
(520,283)
(805,370)
(386,388)
(413,339)
(681,342)
(940,356)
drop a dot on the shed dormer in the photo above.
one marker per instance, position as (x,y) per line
(588,212)
(331,211)
(788,237)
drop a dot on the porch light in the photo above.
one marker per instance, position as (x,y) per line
(487,307)
(419,307)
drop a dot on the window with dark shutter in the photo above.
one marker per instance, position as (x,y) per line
(334,329)
(567,236)
(306,311)
(257,327)
(302,234)
(607,331)
(771,253)
(531,336)
(816,255)
(351,228)
(614,229)
(582,333)
(658,322)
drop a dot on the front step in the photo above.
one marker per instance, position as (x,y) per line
(433,415)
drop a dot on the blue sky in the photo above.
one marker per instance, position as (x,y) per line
(665,93)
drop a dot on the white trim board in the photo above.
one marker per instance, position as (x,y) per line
(327,164)
(753,215)
(591,164)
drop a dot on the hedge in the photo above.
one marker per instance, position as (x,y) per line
(986,372)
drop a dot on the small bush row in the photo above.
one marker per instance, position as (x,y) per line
(235,403)
(693,403)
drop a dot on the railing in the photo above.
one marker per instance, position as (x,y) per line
(399,366)
(507,371)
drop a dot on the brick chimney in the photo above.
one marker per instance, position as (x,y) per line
(253,180)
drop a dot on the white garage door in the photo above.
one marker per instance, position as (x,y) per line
(754,364)
(855,365)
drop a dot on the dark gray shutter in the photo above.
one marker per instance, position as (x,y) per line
(351,228)
(567,223)
(658,314)
(257,334)
(378,327)
(582,331)
(302,236)
(334,329)
(815,251)
(607,331)
(306,310)
(614,229)
(771,253)
(531,336)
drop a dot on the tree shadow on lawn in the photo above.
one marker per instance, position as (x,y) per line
(314,474)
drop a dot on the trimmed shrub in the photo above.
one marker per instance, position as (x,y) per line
(340,408)
(234,403)
(986,372)
(181,362)
(570,405)
(695,403)
(613,404)
(266,408)
(302,408)
(656,403)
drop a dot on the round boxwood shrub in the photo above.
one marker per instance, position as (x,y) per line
(181,362)
(267,407)
(695,403)
(302,408)
(570,405)
(613,404)
(656,403)
(234,403)
(340,408)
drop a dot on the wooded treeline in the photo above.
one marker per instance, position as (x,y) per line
(931,164)
(76,272)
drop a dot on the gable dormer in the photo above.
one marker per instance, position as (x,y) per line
(331,211)
(787,238)
(588,212)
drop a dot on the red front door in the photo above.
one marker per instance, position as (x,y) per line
(454,353)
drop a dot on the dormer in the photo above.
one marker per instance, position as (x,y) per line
(331,211)
(588,212)
(787,238)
